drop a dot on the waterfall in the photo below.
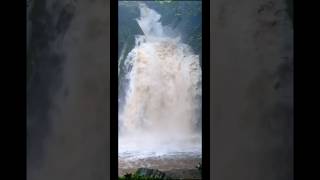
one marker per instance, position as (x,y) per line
(163,99)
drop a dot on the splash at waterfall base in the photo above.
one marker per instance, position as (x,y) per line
(159,121)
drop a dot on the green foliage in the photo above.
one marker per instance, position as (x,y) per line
(145,174)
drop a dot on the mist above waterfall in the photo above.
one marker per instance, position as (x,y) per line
(162,107)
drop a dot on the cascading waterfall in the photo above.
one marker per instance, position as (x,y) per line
(163,99)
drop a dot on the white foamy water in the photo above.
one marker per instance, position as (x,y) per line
(163,97)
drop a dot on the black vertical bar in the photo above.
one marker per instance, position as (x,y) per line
(205,89)
(114,89)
